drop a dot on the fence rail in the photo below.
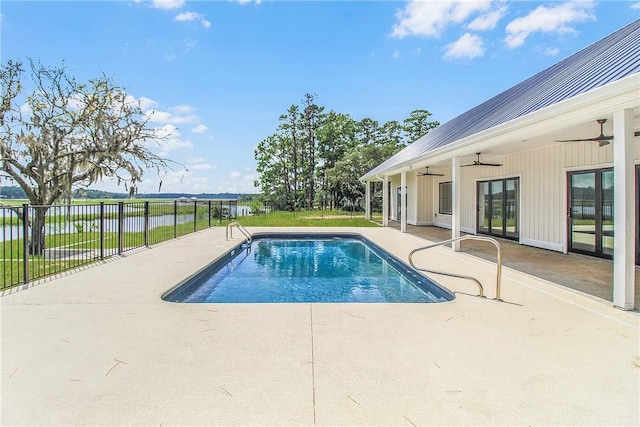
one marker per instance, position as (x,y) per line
(40,241)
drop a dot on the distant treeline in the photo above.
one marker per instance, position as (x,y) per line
(18,193)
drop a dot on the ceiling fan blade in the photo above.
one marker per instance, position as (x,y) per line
(479,163)
(596,139)
(427,173)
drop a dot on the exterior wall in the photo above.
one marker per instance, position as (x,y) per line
(425,200)
(543,189)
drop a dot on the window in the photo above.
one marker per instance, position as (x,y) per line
(445,199)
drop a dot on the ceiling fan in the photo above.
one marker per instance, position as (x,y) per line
(601,139)
(427,173)
(479,163)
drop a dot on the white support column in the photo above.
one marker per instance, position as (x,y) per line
(624,219)
(455,202)
(367,200)
(403,202)
(385,201)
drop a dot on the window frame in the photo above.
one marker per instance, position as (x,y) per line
(444,200)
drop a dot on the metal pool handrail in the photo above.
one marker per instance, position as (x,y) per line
(239,226)
(461,276)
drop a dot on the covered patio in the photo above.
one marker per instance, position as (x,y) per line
(551,163)
(588,275)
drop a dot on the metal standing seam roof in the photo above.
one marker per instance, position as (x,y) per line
(611,58)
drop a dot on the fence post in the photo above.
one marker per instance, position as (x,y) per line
(195,215)
(209,212)
(120,227)
(175,219)
(146,223)
(220,212)
(101,230)
(25,242)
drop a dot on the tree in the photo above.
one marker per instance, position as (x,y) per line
(416,125)
(68,134)
(358,161)
(311,119)
(317,158)
(336,135)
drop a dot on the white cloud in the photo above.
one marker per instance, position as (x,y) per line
(166,131)
(180,49)
(193,16)
(243,2)
(396,54)
(551,51)
(183,109)
(555,19)
(167,138)
(202,167)
(146,103)
(489,20)
(635,5)
(238,183)
(167,4)
(172,143)
(166,117)
(468,46)
(431,18)
(199,129)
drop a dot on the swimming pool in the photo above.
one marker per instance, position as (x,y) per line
(308,268)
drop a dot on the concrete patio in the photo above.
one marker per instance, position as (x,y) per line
(583,273)
(99,347)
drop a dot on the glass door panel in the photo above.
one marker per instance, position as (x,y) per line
(498,211)
(399,203)
(607,212)
(497,203)
(582,218)
(484,208)
(511,207)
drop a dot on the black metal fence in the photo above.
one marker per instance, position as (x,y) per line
(40,241)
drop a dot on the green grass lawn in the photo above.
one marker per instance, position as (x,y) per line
(12,252)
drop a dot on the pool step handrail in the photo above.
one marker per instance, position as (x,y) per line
(462,276)
(244,231)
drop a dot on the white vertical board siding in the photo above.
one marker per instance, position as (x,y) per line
(543,187)
(425,200)
(412,195)
(395,183)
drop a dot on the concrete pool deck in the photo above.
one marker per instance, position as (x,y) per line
(99,347)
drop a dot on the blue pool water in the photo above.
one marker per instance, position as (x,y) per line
(313,268)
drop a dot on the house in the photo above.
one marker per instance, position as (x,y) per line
(552,162)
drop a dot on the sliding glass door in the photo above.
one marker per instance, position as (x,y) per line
(498,207)
(591,212)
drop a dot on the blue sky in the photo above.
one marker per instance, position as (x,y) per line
(219,73)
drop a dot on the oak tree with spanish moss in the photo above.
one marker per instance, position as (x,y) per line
(66,134)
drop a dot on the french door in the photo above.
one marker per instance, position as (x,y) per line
(498,207)
(591,212)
